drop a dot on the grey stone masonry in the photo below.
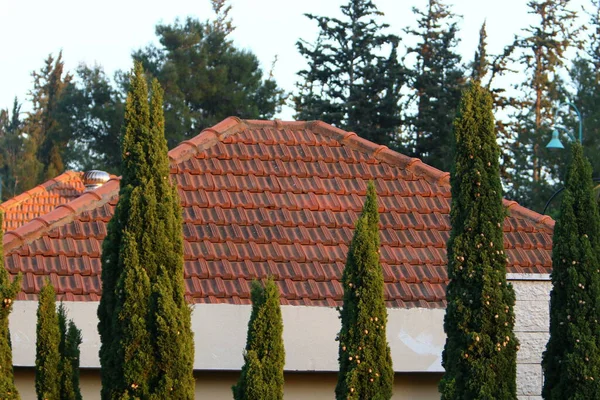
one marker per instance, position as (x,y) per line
(532,313)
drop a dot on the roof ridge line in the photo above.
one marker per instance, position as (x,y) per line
(205,139)
(62,214)
(382,153)
(525,212)
(34,191)
(415,165)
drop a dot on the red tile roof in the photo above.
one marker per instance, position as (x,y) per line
(41,199)
(278,198)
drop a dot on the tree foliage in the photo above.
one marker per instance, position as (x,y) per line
(11,144)
(540,52)
(437,80)
(171,317)
(47,355)
(364,355)
(262,373)
(585,76)
(8,292)
(91,114)
(571,362)
(480,64)
(44,126)
(144,322)
(354,77)
(479,356)
(206,77)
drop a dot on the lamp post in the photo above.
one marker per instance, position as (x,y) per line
(555,142)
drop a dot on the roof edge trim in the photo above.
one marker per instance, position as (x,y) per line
(60,215)
(517,209)
(42,187)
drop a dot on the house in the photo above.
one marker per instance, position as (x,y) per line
(278,198)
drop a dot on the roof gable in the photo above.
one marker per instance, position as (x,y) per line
(278,198)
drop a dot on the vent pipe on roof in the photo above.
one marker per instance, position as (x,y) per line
(93,179)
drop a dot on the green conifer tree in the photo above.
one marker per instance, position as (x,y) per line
(91,116)
(366,370)
(206,77)
(47,356)
(571,362)
(8,292)
(120,261)
(354,77)
(480,352)
(11,149)
(46,138)
(262,374)
(438,79)
(70,339)
(144,323)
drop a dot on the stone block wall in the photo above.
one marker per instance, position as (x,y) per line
(532,313)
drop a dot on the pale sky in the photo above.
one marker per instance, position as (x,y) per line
(106,32)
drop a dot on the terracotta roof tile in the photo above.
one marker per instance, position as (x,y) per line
(41,199)
(277,198)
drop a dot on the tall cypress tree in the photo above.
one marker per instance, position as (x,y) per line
(262,373)
(119,254)
(571,361)
(171,317)
(70,339)
(47,355)
(364,355)
(354,78)
(480,352)
(8,292)
(144,323)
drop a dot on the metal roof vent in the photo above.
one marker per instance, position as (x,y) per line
(93,179)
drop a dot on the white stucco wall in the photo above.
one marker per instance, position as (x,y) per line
(416,335)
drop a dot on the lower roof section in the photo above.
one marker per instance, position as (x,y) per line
(415,335)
